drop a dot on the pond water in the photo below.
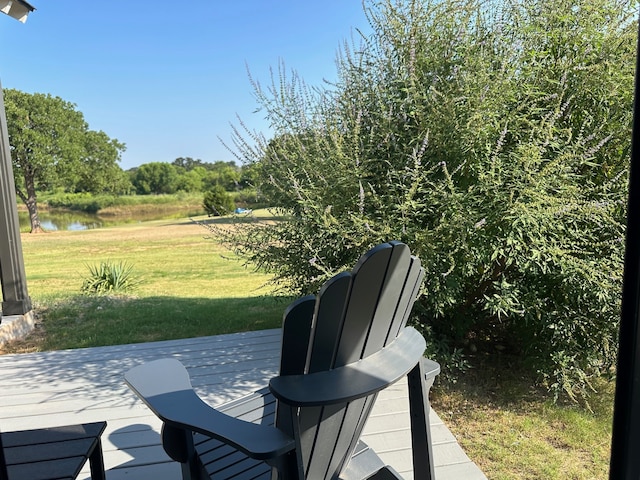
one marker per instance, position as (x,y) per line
(70,220)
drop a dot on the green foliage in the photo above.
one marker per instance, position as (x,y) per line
(491,137)
(188,175)
(99,172)
(82,202)
(155,178)
(218,202)
(89,203)
(224,174)
(52,147)
(109,277)
(191,180)
(248,198)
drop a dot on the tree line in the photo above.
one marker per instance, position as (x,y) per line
(53,150)
(189,175)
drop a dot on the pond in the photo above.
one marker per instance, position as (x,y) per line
(71,220)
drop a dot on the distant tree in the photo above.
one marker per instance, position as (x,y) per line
(249,175)
(155,178)
(191,180)
(51,145)
(224,174)
(187,163)
(218,202)
(99,171)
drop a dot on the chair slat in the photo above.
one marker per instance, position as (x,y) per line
(384,318)
(409,295)
(296,333)
(329,424)
(365,290)
(332,301)
(358,413)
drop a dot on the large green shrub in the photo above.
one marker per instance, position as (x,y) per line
(493,138)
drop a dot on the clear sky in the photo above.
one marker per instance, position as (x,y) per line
(168,77)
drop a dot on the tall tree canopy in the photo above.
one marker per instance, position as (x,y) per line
(52,146)
(155,178)
(493,137)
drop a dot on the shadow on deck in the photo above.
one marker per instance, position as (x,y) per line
(85,385)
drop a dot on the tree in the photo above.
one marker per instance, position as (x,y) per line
(155,178)
(51,145)
(191,180)
(224,174)
(217,202)
(99,172)
(187,163)
(493,138)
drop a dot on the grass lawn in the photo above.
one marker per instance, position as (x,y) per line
(515,431)
(191,286)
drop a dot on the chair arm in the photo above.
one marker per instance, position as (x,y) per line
(164,386)
(431,369)
(355,380)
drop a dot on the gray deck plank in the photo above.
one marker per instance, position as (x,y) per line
(73,386)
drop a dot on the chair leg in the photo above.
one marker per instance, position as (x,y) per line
(285,467)
(178,443)
(387,473)
(96,462)
(419,408)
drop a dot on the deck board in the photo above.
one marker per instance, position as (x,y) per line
(74,386)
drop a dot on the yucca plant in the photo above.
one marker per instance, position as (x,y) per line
(109,277)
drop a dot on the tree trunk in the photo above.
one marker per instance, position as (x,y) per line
(30,200)
(32,206)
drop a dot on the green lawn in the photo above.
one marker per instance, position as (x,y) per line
(514,431)
(191,286)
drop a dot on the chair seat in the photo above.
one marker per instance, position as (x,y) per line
(222,461)
(54,453)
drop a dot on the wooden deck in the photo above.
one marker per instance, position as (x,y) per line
(85,385)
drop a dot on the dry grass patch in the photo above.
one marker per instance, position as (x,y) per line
(515,432)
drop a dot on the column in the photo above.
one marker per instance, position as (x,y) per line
(15,298)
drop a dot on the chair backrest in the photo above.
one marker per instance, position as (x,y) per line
(355,315)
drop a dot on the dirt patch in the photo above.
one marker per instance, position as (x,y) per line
(31,343)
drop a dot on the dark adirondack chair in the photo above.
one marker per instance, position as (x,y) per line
(52,453)
(339,350)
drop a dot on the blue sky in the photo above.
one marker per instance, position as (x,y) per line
(165,77)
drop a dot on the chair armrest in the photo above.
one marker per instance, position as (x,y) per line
(164,386)
(431,368)
(355,380)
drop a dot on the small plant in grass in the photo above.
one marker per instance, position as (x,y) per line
(109,277)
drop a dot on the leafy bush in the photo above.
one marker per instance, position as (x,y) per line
(493,138)
(109,277)
(218,202)
(84,202)
(91,203)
